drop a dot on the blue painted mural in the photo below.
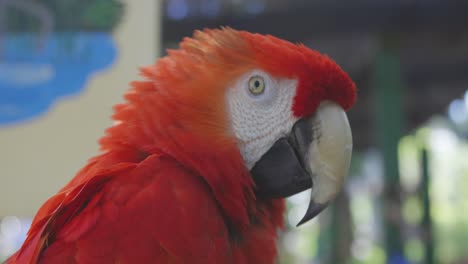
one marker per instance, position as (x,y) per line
(49,49)
(32,78)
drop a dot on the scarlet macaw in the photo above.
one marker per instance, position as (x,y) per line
(202,154)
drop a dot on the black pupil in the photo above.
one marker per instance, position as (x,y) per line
(257,84)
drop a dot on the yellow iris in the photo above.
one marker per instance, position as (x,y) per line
(256,85)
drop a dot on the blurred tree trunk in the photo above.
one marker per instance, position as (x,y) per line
(336,233)
(342,233)
(388,121)
(427,220)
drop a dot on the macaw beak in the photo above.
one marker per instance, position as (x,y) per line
(316,154)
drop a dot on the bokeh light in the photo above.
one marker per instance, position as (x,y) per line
(458,112)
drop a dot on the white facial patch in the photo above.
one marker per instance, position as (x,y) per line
(260,119)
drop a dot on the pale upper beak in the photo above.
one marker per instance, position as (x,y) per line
(328,157)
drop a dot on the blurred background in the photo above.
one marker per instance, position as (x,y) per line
(64,63)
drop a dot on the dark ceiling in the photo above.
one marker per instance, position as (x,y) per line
(430,37)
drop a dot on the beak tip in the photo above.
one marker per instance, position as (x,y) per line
(313,210)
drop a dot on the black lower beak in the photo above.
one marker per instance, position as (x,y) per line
(282,172)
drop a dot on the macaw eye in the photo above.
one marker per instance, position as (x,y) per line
(256,85)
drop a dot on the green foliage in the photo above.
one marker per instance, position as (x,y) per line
(69,15)
(102,14)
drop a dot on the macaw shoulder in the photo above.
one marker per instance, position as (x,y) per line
(154,209)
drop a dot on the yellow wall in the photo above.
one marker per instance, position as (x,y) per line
(40,156)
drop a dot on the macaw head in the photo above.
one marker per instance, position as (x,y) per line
(256,116)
